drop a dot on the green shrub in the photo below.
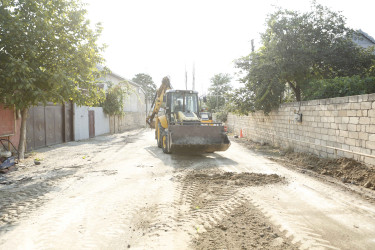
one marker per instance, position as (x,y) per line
(340,86)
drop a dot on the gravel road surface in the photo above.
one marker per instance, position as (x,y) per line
(120,191)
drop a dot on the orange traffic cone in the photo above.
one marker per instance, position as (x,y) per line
(241,135)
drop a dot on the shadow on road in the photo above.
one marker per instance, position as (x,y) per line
(190,160)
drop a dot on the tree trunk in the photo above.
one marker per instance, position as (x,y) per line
(22,144)
(297,91)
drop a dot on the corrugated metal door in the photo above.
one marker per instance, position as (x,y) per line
(49,125)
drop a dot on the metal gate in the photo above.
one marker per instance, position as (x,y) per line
(49,125)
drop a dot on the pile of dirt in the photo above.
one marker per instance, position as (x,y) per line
(344,169)
(230,178)
(213,185)
(210,192)
(245,228)
(347,170)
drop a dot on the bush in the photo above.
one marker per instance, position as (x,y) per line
(340,86)
(222,116)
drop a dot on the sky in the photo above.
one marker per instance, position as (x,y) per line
(165,37)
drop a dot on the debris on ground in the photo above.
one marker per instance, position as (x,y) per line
(243,228)
(343,169)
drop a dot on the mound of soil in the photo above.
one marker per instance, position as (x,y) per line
(245,228)
(230,178)
(347,170)
(344,169)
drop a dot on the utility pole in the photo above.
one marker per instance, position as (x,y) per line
(185,78)
(252,45)
(193,76)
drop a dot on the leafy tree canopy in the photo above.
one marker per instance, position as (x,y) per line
(48,53)
(146,83)
(218,91)
(296,49)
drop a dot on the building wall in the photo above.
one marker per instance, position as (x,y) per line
(130,120)
(81,122)
(7,123)
(336,127)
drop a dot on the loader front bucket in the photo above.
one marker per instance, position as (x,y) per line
(197,138)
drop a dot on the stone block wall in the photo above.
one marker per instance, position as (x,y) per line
(335,127)
(130,120)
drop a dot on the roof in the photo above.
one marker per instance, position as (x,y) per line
(367,36)
(100,67)
(181,90)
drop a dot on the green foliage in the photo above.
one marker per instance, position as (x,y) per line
(299,48)
(147,84)
(340,86)
(48,53)
(218,92)
(115,98)
(222,115)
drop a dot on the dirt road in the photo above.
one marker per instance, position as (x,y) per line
(121,191)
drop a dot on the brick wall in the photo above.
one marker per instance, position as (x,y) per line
(9,125)
(336,127)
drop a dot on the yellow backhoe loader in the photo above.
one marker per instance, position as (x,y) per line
(179,127)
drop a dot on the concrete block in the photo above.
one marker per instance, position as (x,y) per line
(343,126)
(366,105)
(353,98)
(370,128)
(345,119)
(364,120)
(363,98)
(354,120)
(371,137)
(363,136)
(344,133)
(355,105)
(352,127)
(353,135)
(340,100)
(370,145)
(371,97)
(352,113)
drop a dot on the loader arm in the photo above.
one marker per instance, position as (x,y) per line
(158,100)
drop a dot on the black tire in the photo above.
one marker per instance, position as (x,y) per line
(159,135)
(165,143)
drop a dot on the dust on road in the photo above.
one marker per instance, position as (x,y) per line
(120,191)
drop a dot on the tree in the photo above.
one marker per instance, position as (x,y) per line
(48,53)
(217,92)
(147,84)
(298,48)
(115,98)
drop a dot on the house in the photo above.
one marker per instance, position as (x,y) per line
(365,40)
(134,107)
(92,121)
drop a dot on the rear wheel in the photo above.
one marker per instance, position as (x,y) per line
(165,143)
(159,135)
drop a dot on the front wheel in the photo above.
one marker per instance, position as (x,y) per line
(165,143)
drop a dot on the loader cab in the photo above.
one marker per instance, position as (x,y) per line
(181,101)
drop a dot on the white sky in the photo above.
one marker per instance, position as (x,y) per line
(161,37)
